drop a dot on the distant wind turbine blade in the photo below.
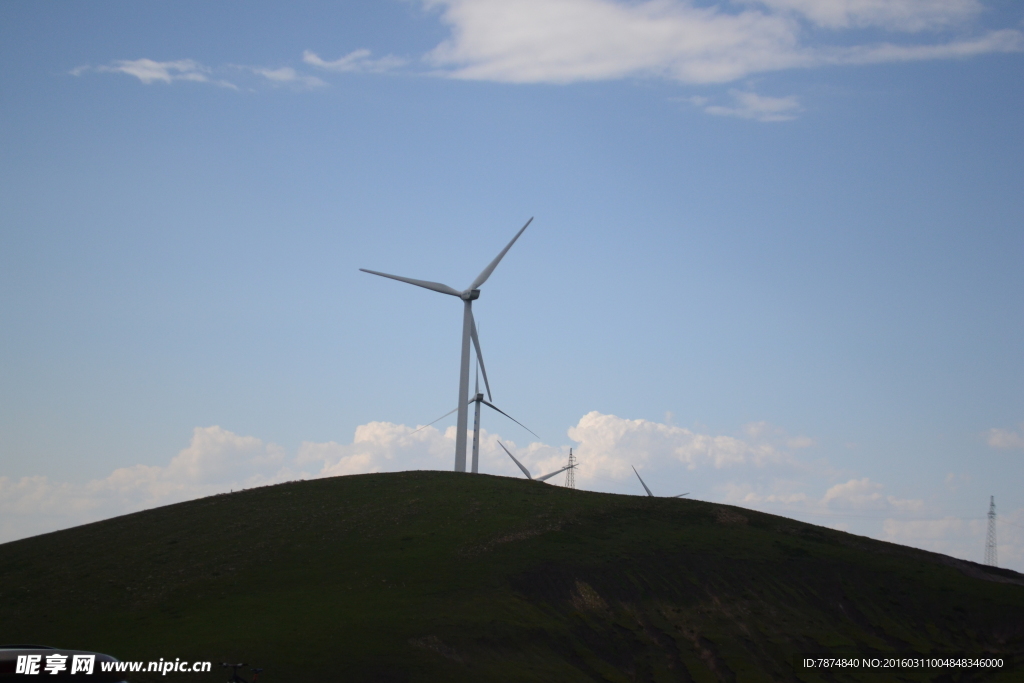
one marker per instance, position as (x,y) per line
(642,482)
(436,286)
(525,471)
(482,277)
(491,405)
(479,354)
(682,494)
(437,420)
(548,476)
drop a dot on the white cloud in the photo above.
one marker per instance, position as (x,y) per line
(896,15)
(286,75)
(149,71)
(1006,40)
(564,41)
(1005,439)
(749,105)
(852,496)
(610,445)
(357,60)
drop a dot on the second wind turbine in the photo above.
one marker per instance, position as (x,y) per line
(467,295)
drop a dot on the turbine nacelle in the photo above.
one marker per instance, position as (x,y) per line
(470,295)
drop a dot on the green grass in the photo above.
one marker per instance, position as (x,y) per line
(437,576)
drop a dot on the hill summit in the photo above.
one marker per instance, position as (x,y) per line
(440,576)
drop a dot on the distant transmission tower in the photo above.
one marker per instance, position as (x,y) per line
(990,542)
(570,474)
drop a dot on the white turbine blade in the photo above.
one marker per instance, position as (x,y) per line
(482,277)
(436,286)
(525,471)
(437,420)
(682,494)
(510,417)
(642,482)
(548,476)
(480,358)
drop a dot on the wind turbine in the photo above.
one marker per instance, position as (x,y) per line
(649,491)
(467,295)
(527,472)
(478,399)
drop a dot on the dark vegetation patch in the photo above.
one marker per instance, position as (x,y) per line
(436,576)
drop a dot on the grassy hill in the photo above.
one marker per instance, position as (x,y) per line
(437,576)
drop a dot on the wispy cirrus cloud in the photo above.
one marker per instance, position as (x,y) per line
(355,61)
(750,105)
(151,71)
(286,75)
(893,15)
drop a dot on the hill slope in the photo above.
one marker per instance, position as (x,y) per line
(437,576)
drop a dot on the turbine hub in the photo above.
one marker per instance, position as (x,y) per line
(471,295)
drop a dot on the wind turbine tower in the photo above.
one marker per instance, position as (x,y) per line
(468,296)
(990,542)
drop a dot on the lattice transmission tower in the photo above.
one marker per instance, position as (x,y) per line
(990,542)
(570,474)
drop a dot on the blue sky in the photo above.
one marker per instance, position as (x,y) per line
(775,261)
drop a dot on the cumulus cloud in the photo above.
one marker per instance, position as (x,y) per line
(1005,439)
(851,496)
(610,445)
(357,60)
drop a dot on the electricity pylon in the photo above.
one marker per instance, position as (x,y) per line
(570,473)
(990,542)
